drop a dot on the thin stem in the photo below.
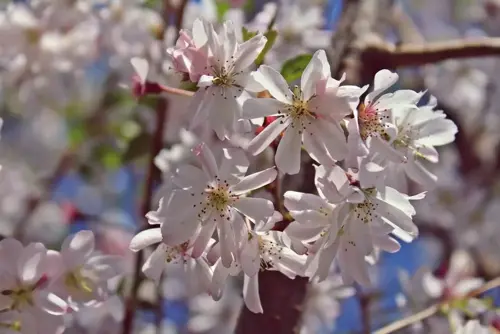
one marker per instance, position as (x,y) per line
(63,166)
(151,177)
(431,310)
(176,91)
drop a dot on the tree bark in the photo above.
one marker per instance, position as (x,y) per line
(281,300)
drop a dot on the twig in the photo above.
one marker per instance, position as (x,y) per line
(179,18)
(364,305)
(151,177)
(176,91)
(430,52)
(64,164)
(431,310)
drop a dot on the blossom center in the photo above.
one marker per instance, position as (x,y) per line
(173,253)
(300,111)
(20,297)
(76,281)
(371,122)
(366,211)
(218,197)
(268,249)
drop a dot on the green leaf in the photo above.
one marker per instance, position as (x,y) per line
(108,156)
(292,69)
(137,147)
(271,38)
(77,134)
(222,8)
(189,85)
(247,34)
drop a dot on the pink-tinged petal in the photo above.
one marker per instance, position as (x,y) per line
(256,209)
(77,248)
(145,238)
(268,135)
(313,73)
(199,33)
(141,67)
(154,265)
(250,256)
(251,293)
(49,302)
(234,165)
(261,107)
(384,79)
(248,51)
(207,159)
(200,245)
(274,82)
(203,274)
(288,153)
(30,264)
(255,181)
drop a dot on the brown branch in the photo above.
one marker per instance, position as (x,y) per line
(364,305)
(63,166)
(431,310)
(281,300)
(151,177)
(432,52)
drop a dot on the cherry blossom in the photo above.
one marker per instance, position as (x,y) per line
(309,115)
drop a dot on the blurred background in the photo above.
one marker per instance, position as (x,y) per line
(76,143)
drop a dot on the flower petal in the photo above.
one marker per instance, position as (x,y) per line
(261,107)
(266,137)
(288,153)
(254,181)
(256,209)
(207,159)
(145,238)
(251,293)
(77,248)
(274,82)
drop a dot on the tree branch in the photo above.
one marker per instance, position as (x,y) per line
(151,177)
(431,310)
(431,52)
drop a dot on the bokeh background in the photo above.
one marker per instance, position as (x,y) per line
(75,141)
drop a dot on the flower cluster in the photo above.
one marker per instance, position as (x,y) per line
(38,286)
(360,151)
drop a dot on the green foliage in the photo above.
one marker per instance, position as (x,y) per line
(137,147)
(247,34)
(271,39)
(108,156)
(292,69)
(222,8)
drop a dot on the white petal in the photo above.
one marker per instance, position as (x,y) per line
(384,79)
(288,153)
(187,176)
(437,132)
(30,264)
(261,107)
(266,137)
(467,285)
(274,82)
(297,201)
(207,159)
(332,137)
(141,67)
(50,303)
(418,173)
(218,280)
(145,238)
(250,257)
(154,265)
(234,165)
(248,51)
(400,201)
(77,248)
(251,293)
(226,241)
(254,181)
(312,74)
(178,233)
(200,245)
(256,209)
